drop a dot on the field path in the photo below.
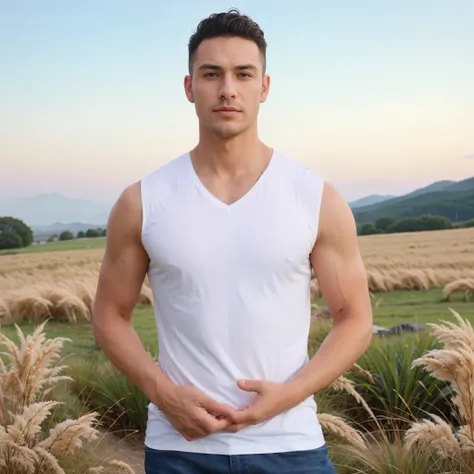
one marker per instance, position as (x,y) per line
(129,450)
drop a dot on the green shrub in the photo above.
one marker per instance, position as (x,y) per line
(66,235)
(468,224)
(107,391)
(402,394)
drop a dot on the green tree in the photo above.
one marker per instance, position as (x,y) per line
(92,233)
(469,223)
(435,223)
(368,229)
(66,235)
(14,233)
(81,234)
(384,223)
(419,224)
(10,240)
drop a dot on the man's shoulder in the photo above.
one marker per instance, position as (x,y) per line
(301,180)
(293,167)
(168,169)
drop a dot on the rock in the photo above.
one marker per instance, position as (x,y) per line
(406,327)
(398,329)
(379,330)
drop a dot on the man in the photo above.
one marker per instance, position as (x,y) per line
(228,234)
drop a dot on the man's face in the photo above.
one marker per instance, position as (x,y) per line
(227,85)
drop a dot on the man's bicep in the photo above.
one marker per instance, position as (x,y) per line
(337,261)
(125,261)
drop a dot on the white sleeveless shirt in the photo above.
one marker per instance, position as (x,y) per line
(232,296)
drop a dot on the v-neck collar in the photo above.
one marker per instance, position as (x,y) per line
(236,203)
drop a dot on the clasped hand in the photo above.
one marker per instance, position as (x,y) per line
(195,415)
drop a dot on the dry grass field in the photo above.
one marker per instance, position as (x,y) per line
(417,261)
(61,284)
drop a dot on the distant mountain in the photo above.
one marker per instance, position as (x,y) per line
(431,188)
(369,200)
(453,200)
(436,186)
(47,209)
(464,185)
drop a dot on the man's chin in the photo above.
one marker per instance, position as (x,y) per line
(227,132)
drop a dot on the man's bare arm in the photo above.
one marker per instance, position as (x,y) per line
(342,278)
(121,277)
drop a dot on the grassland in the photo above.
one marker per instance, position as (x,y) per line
(61,283)
(75,244)
(407,277)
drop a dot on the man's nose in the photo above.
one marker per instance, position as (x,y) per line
(227,87)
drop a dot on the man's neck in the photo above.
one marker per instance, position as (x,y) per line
(231,158)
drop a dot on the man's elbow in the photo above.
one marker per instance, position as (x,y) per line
(99,323)
(366,329)
(367,337)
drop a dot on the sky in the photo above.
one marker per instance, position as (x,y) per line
(375,96)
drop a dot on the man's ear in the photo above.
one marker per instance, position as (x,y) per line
(265,88)
(188,88)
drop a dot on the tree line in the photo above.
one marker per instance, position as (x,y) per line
(15,234)
(390,225)
(89,233)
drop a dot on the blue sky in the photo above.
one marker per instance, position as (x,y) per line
(376,96)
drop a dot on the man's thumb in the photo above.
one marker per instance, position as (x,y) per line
(250,385)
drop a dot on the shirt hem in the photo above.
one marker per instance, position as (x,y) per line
(237,449)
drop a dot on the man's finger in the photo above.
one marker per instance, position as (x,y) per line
(250,416)
(235,427)
(209,423)
(251,385)
(215,408)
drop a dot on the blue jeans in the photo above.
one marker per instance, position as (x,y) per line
(314,461)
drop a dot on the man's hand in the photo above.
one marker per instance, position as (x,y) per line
(194,414)
(271,399)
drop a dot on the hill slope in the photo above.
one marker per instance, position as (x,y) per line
(457,206)
(369,200)
(464,185)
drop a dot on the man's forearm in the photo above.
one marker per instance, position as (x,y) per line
(346,342)
(121,344)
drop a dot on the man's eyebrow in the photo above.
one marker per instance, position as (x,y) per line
(215,67)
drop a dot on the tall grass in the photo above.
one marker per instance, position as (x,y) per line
(434,444)
(416,394)
(64,295)
(453,363)
(30,442)
(465,285)
(103,388)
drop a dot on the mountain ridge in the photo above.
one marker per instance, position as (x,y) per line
(54,212)
(42,210)
(452,200)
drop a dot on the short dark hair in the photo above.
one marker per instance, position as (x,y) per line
(231,23)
